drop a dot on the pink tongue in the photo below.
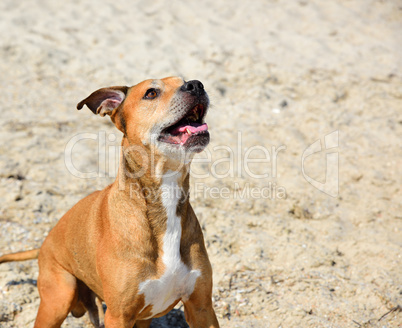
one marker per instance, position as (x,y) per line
(181,134)
(193,129)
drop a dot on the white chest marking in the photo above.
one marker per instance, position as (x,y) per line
(177,282)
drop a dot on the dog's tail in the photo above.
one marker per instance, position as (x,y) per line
(20,256)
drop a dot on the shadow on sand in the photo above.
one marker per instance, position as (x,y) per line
(174,319)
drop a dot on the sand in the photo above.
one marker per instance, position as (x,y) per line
(281,75)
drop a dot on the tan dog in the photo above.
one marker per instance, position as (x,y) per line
(140,252)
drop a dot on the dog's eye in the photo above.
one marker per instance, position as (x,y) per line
(151,94)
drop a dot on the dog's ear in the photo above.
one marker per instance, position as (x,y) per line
(105,100)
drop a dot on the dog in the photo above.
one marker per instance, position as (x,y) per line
(139,252)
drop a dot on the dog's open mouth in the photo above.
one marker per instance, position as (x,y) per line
(189,131)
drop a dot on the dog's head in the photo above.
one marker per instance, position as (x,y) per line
(166,115)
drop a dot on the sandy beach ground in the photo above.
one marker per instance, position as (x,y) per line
(287,79)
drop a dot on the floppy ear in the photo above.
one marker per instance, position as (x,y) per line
(105,100)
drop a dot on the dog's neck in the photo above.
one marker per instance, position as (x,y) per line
(154,181)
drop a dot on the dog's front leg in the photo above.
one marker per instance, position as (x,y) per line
(113,320)
(120,321)
(199,311)
(143,323)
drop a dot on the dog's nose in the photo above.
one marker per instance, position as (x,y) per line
(194,87)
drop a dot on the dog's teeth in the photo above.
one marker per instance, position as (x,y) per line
(188,131)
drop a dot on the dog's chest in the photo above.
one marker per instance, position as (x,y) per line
(177,281)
